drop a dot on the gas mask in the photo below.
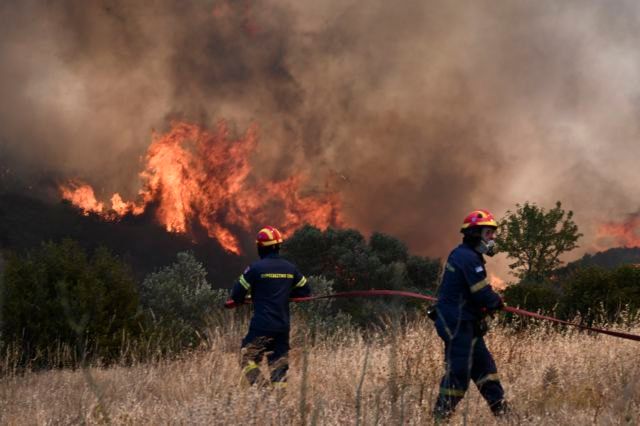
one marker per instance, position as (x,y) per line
(486,247)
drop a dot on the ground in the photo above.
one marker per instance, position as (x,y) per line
(550,376)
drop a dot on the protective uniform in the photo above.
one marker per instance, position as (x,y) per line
(270,281)
(464,298)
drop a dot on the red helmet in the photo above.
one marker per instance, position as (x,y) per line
(478,218)
(268,236)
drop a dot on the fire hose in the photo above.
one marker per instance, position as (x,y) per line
(369,293)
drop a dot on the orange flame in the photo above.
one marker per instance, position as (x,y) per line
(192,174)
(82,196)
(121,208)
(626,234)
(496,282)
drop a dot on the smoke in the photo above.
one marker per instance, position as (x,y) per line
(416,112)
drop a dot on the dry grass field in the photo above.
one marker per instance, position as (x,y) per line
(389,377)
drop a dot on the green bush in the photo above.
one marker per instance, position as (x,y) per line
(601,294)
(344,257)
(350,262)
(542,297)
(592,294)
(387,248)
(58,296)
(423,273)
(177,300)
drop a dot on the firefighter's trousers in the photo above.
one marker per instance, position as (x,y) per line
(466,358)
(257,344)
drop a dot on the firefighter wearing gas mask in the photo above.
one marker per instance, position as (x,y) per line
(465,297)
(270,282)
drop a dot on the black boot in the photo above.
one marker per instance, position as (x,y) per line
(500,408)
(441,416)
(444,408)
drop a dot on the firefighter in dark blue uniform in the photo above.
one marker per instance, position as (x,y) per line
(465,297)
(270,281)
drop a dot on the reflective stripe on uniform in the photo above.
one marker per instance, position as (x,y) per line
(276,276)
(449,267)
(479,286)
(250,367)
(451,392)
(301,283)
(493,377)
(279,385)
(444,323)
(244,283)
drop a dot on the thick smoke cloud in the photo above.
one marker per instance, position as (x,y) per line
(416,112)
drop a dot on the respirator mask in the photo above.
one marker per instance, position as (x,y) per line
(486,247)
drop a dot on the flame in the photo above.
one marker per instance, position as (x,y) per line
(626,233)
(194,175)
(496,282)
(122,208)
(82,196)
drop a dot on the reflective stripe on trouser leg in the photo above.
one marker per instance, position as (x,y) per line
(279,385)
(493,377)
(484,374)
(251,354)
(251,372)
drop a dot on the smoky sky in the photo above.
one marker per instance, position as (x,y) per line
(416,112)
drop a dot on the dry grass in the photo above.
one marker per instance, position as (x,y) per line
(550,378)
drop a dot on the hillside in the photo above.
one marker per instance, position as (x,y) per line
(608,259)
(27,221)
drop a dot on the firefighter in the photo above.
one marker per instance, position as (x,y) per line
(270,282)
(465,297)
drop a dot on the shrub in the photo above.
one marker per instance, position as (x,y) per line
(58,295)
(601,294)
(321,314)
(543,297)
(177,300)
(423,273)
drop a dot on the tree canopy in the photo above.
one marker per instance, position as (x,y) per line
(350,262)
(535,238)
(347,258)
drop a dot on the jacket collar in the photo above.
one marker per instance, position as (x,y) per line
(469,247)
(271,256)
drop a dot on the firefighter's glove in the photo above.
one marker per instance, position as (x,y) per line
(491,311)
(432,313)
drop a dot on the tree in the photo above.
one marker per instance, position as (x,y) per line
(536,238)
(350,262)
(345,257)
(387,248)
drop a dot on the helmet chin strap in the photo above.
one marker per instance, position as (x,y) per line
(488,248)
